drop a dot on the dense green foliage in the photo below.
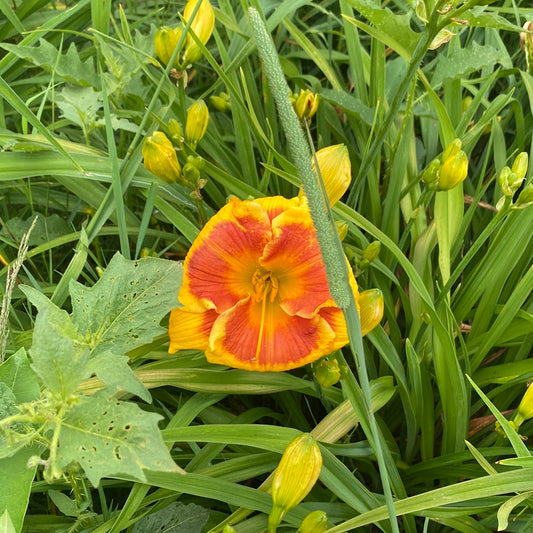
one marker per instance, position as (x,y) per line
(101,430)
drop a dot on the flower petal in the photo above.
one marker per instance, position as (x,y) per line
(189,330)
(275,205)
(219,267)
(294,259)
(261,336)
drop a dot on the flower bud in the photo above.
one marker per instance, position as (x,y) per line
(160,157)
(327,372)
(315,522)
(454,167)
(197,120)
(175,131)
(202,26)
(306,104)
(520,165)
(220,102)
(229,529)
(335,169)
(525,409)
(294,477)
(166,40)
(526,43)
(370,309)
(431,173)
(371,252)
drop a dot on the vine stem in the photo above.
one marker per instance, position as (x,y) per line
(330,244)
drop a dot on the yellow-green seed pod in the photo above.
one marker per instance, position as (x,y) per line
(306,104)
(166,40)
(314,522)
(197,120)
(370,309)
(371,252)
(335,169)
(295,476)
(327,372)
(454,167)
(160,157)
(525,409)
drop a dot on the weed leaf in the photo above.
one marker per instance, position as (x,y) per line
(174,518)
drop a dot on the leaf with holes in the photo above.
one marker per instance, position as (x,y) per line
(108,437)
(124,308)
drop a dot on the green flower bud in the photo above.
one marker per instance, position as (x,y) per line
(175,131)
(306,104)
(315,522)
(197,120)
(525,409)
(160,157)
(327,372)
(166,40)
(431,173)
(520,165)
(371,252)
(525,198)
(294,477)
(220,102)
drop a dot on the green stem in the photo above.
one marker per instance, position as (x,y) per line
(330,245)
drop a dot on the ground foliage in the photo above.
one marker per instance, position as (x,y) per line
(98,423)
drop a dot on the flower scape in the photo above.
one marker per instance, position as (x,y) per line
(255,293)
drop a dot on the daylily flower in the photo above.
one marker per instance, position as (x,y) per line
(255,293)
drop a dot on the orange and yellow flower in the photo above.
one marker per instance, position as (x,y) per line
(255,293)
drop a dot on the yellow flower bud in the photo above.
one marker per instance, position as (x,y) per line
(315,522)
(525,409)
(454,167)
(370,309)
(202,25)
(220,102)
(327,372)
(166,40)
(342,229)
(306,104)
(160,157)
(294,477)
(335,169)
(197,120)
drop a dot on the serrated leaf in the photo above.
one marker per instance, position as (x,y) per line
(16,373)
(483,17)
(59,356)
(114,371)
(68,66)
(109,437)
(463,61)
(125,306)
(174,518)
(6,525)
(80,105)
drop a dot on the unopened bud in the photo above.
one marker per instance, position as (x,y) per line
(220,102)
(197,120)
(327,372)
(295,476)
(525,198)
(160,157)
(306,104)
(166,40)
(202,25)
(315,522)
(525,409)
(454,167)
(430,175)
(175,131)
(370,309)
(371,252)
(335,169)
(520,165)
(526,43)
(342,229)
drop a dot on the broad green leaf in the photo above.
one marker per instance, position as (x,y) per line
(115,372)
(68,66)
(124,307)
(108,437)
(59,355)
(46,228)
(8,402)
(174,518)
(6,525)
(16,373)
(80,105)
(463,61)
(16,480)
(66,505)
